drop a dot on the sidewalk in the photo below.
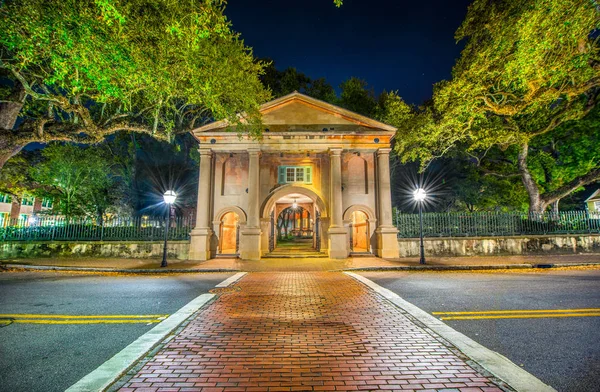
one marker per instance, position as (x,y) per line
(310,264)
(320,331)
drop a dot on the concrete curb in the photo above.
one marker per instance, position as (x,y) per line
(471,267)
(495,363)
(120,270)
(110,371)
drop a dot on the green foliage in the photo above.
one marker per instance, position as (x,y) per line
(357,97)
(78,178)
(570,151)
(94,67)
(528,67)
(281,83)
(511,81)
(320,89)
(14,177)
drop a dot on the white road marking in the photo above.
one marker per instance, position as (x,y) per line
(495,363)
(111,370)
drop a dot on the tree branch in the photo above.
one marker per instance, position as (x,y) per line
(565,190)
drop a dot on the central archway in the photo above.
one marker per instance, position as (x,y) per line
(310,227)
(285,190)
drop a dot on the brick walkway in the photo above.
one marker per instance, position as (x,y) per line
(302,331)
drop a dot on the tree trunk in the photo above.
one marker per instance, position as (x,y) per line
(536,204)
(9,112)
(7,150)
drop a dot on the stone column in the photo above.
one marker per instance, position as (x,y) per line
(387,234)
(201,238)
(338,247)
(250,240)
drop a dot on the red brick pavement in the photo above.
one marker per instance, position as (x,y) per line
(315,331)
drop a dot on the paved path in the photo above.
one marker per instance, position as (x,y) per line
(304,331)
(561,351)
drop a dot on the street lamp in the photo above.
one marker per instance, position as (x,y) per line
(169,197)
(419,194)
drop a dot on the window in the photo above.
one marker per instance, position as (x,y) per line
(4,198)
(47,202)
(4,219)
(291,174)
(27,200)
(23,219)
(597,206)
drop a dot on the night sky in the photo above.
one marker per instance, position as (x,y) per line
(393,45)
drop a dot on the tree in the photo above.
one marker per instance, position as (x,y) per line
(528,67)
(79,70)
(15,179)
(79,179)
(356,96)
(281,83)
(320,89)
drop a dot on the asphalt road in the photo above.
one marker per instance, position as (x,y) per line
(52,357)
(563,352)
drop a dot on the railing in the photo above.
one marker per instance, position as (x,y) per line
(57,228)
(496,224)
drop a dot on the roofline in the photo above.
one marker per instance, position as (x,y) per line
(593,195)
(317,103)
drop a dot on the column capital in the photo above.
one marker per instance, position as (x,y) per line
(335,151)
(383,151)
(254,151)
(205,151)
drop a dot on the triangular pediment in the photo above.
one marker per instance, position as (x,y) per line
(298,111)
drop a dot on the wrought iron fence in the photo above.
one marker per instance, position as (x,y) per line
(496,224)
(116,228)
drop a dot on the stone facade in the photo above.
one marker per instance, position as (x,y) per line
(408,247)
(333,162)
(491,246)
(127,249)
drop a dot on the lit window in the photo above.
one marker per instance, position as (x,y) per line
(4,219)
(27,200)
(597,206)
(291,174)
(23,219)
(47,202)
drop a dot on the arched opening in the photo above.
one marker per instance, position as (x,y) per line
(359,237)
(229,234)
(295,223)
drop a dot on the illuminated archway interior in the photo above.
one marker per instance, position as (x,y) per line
(229,233)
(360,232)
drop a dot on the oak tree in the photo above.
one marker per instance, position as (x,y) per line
(79,70)
(528,68)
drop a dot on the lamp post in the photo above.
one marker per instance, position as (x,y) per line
(420,195)
(169,197)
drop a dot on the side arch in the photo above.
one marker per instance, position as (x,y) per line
(240,213)
(360,207)
(282,191)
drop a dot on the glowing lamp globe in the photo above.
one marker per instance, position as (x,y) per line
(419,194)
(170,197)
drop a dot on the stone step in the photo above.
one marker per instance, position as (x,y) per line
(276,255)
